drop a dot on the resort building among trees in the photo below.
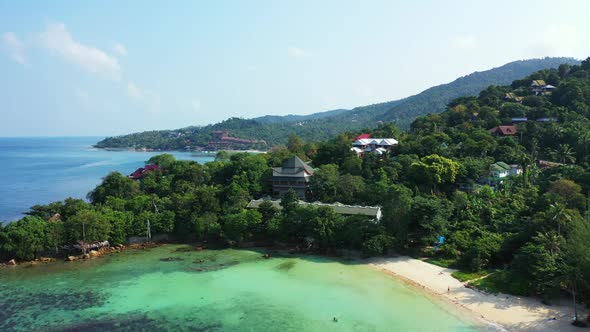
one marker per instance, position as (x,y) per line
(502,170)
(365,144)
(140,172)
(519,119)
(223,140)
(539,87)
(499,171)
(512,97)
(504,131)
(352,210)
(294,174)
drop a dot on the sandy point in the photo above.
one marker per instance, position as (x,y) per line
(506,312)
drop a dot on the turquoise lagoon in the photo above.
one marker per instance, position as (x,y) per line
(225,290)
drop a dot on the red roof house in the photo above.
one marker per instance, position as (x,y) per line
(140,172)
(361,136)
(504,131)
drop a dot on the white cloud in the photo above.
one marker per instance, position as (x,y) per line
(296,52)
(57,39)
(120,49)
(465,43)
(558,40)
(133,91)
(14,46)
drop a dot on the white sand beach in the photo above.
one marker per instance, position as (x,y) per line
(512,313)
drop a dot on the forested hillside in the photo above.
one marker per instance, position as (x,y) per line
(298,118)
(528,231)
(435,100)
(322,126)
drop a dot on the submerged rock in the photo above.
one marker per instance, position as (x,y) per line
(131,322)
(171,259)
(212,268)
(286,266)
(183,249)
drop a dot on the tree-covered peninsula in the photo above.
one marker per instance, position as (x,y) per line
(498,183)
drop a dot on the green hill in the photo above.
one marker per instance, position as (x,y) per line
(295,118)
(435,99)
(321,126)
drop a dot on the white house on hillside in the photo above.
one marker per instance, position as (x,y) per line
(499,171)
(378,146)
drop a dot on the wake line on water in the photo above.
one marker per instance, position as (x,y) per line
(97,164)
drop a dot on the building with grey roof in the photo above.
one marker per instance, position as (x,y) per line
(294,174)
(357,210)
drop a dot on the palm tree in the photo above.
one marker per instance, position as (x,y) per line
(584,140)
(550,241)
(570,277)
(564,154)
(559,214)
(524,160)
(558,134)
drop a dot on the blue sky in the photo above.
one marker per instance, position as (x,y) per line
(114,67)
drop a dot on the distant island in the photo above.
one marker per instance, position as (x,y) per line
(267,131)
(218,140)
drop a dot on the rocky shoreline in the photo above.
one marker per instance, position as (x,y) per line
(83,256)
(270,251)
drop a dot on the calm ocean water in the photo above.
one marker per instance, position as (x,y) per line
(210,290)
(39,170)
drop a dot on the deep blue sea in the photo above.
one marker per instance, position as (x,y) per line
(39,170)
